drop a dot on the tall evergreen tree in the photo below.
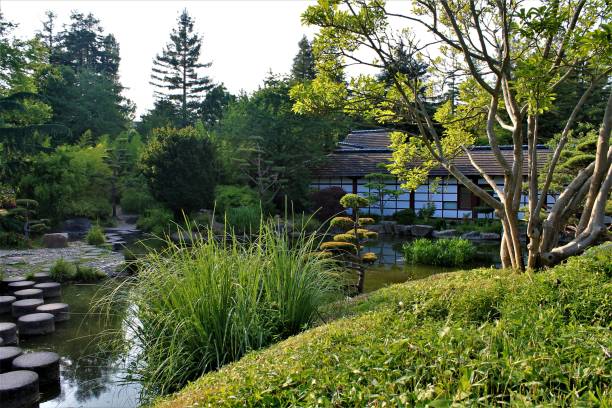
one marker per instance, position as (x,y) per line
(303,68)
(176,70)
(48,34)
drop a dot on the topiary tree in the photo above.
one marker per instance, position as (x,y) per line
(179,165)
(349,245)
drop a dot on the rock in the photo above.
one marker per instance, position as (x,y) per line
(25,306)
(422,231)
(49,289)
(450,233)
(28,294)
(55,240)
(490,236)
(7,355)
(388,227)
(19,389)
(60,311)
(403,230)
(43,363)
(472,235)
(5,303)
(24,284)
(8,332)
(36,323)
(10,279)
(41,277)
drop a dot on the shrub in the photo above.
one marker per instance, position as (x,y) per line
(136,200)
(484,337)
(326,203)
(427,212)
(244,219)
(234,196)
(87,274)
(179,165)
(157,221)
(62,271)
(201,307)
(404,217)
(441,252)
(95,235)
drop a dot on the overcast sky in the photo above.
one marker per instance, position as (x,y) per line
(243,39)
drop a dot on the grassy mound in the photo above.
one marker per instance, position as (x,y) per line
(476,338)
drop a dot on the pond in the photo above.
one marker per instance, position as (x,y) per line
(391,267)
(92,372)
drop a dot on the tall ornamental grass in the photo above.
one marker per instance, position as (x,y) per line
(199,307)
(441,252)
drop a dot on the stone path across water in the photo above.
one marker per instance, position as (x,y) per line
(23,261)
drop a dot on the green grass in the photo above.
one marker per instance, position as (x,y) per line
(246,219)
(95,236)
(440,252)
(64,271)
(199,307)
(484,337)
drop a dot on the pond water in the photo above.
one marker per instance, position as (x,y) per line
(92,372)
(391,266)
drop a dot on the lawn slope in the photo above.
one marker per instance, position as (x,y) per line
(477,338)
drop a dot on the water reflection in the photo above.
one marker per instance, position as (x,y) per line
(92,371)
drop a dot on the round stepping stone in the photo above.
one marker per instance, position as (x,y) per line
(19,389)
(49,289)
(5,303)
(8,280)
(7,355)
(35,324)
(42,277)
(8,332)
(25,306)
(61,311)
(28,294)
(19,285)
(43,363)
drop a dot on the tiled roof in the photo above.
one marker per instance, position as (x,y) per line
(363,151)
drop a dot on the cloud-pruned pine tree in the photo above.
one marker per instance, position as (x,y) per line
(176,70)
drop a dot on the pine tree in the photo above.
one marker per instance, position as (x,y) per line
(175,71)
(303,64)
(48,34)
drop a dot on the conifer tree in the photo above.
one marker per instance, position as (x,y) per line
(303,64)
(175,71)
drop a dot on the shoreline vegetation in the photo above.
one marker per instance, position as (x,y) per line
(475,337)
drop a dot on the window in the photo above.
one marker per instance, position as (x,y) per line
(449,205)
(465,198)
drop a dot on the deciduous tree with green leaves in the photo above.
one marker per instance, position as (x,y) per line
(514,56)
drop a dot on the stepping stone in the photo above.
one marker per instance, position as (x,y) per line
(10,279)
(25,306)
(8,332)
(36,324)
(61,311)
(43,363)
(41,277)
(7,355)
(5,303)
(49,289)
(24,284)
(19,389)
(28,294)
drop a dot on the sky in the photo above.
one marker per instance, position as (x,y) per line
(243,39)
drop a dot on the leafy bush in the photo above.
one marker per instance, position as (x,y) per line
(136,198)
(485,337)
(11,239)
(157,221)
(405,216)
(179,165)
(64,271)
(244,219)
(234,196)
(95,235)
(427,212)
(441,252)
(201,307)
(326,202)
